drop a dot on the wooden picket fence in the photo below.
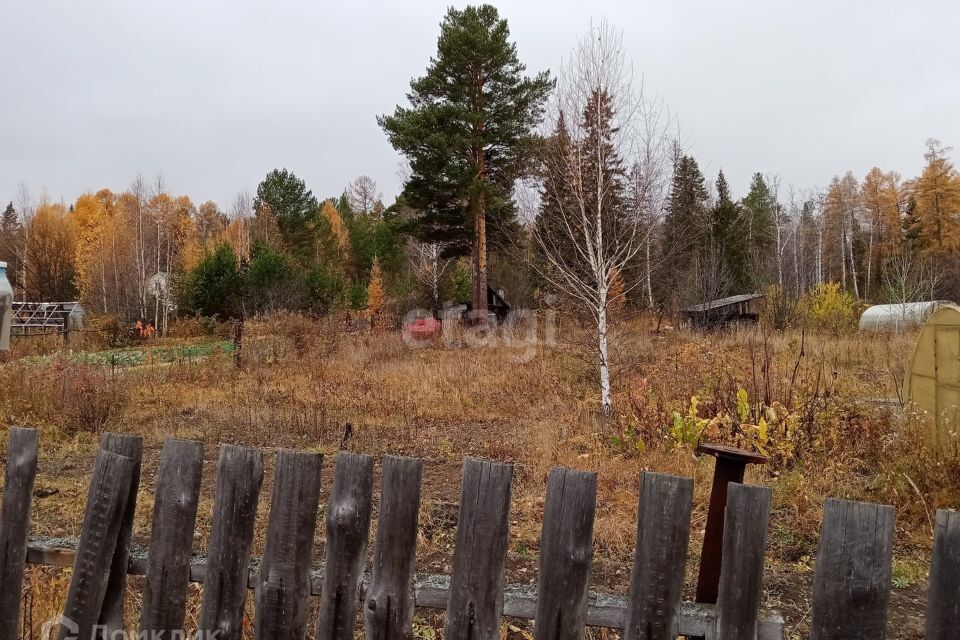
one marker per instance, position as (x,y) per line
(850,593)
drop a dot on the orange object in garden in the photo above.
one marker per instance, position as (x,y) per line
(424,328)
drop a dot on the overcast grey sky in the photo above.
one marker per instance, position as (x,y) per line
(214,94)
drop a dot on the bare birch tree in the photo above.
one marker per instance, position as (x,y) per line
(908,278)
(591,235)
(26,205)
(363,195)
(139,190)
(429,265)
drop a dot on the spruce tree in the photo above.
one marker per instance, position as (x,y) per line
(758,221)
(913,238)
(466,135)
(562,200)
(729,239)
(9,220)
(603,165)
(556,194)
(11,243)
(686,224)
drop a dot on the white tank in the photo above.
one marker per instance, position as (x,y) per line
(6,308)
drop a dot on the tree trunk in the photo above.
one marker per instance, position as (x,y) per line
(779,252)
(103,278)
(238,343)
(435,277)
(820,253)
(606,402)
(648,269)
(843,254)
(853,268)
(479,258)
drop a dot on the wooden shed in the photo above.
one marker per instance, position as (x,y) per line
(716,313)
(933,381)
(497,305)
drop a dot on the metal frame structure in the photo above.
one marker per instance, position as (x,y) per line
(39,318)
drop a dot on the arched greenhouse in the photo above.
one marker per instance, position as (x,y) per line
(897,317)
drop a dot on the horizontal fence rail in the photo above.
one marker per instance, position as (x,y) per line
(850,593)
(431,591)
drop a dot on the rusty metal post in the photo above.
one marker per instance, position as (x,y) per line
(731,463)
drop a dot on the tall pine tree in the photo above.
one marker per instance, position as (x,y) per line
(295,208)
(466,133)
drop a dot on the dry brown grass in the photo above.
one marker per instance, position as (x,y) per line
(302,381)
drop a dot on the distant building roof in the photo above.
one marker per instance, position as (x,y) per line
(724,302)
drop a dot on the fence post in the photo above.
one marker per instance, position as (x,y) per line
(239,476)
(348,526)
(111,613)
(283,582)
(171,537)
(21,471)
(566,550)
(663,533)
(388,614)
(479,557)
(102,521)
(741,574)
(851,584)
(943,595)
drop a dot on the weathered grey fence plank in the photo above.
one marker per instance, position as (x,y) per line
(21,471)
(566,551)
(388,614)
(102,521)
(171,538)
(483,527)
(663,533)
(283,582)
(239,477)
(741,575)
(111,613)
(851,584)
(943,594)
(348,525)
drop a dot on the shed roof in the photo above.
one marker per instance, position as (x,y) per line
(723,302)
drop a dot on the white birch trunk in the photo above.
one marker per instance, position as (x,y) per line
(649,268)
(779,254)
(843,254)
(853,267)
(820,253)
(606,402)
